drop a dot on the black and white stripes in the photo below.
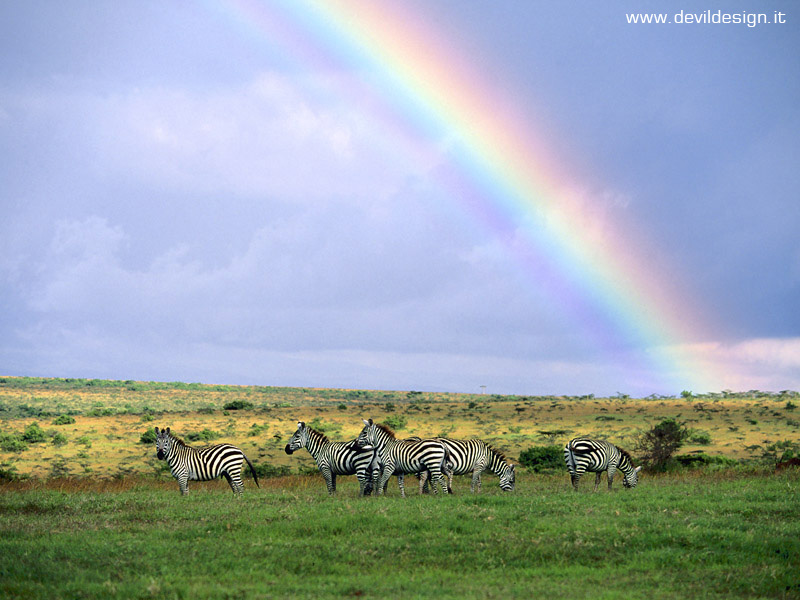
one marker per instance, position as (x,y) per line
(476,456)
(334,458)
(401,457)
(201,464)
(596,456)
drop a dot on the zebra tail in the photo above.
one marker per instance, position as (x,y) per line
(445,464)
(252,469)
(570,459)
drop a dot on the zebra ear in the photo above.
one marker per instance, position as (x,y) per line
(156,430)
(637,469)
(300,424)
(367,423)
(167,429)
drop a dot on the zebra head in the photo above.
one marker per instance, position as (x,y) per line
(163,443)
(507,479)
(631,478)
(298,440)
(368,436)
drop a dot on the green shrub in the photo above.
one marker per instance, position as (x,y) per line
(702,460)
(699,437)
(396,422)
(148,437)
(324,427)
(659,443)
(59,439)
(238,405)
(543,458)
(203,436)
(10,442)
(34,434)
(63,420)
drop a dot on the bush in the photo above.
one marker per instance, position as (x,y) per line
(698,437)
(543,458)
(59,439)
(10,442)
(34,434)
(63,420)
(238,405)
(659,444)
(396,422)
(203,436)
(148,437)
(702,460)
(324,427)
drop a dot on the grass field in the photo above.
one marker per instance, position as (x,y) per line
(715,535)
(86,510)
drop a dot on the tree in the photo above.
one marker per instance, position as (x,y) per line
(657,445)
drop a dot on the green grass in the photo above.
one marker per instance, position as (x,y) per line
(722,534)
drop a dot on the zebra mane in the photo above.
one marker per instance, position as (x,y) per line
(497,453)
(625,454)
(318,434)
(178,440)
(388,430)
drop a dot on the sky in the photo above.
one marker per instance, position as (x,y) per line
(503,197)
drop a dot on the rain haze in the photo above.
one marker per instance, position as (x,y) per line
(252,192)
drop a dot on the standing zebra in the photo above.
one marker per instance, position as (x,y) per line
(596,456)
(334,458)
(202,464)
(476,456)
(401,457)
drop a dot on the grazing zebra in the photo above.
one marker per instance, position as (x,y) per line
(202,464)
(334,458)
(475,456)
(401,457)
(596,456)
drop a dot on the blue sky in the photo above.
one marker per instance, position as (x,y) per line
(184,199)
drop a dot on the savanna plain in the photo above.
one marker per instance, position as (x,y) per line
(87,511)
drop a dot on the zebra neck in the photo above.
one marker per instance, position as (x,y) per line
(315,444)
(497,465)
(625,464)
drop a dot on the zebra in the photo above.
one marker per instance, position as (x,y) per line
(401,457)
(376,468)
(202,464)
(334,458)
(596,456)
(475,456)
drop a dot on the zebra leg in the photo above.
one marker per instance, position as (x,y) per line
(575,477)
(385,475)
(423,479)
(597,480)
(330,480)
(401,481)
(611,472)
(183,483)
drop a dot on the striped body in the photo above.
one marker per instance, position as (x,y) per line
(596,456)
(201,464)
(334,458)
(400,457)
(475,457)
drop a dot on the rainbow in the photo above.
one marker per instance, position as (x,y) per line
(502,173)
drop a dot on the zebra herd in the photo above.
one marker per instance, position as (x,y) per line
(377,454)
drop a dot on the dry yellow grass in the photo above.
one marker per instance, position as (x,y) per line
(109,446)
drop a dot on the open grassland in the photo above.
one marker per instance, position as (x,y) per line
(110,417)
(690,535)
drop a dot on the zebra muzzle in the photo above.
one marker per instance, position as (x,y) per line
(288,449)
